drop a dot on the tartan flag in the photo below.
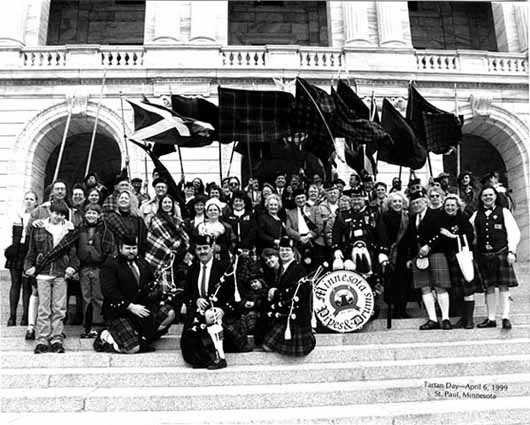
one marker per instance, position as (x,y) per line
(406,151)
(197,108)
(162,126)
(353,101)
(437,130)
(253,116)
(312,114)
(357,132)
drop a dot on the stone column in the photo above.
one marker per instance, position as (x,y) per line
(393,24)
(12,23)
(162,21)
(356,28)
(36,31)
(521,23)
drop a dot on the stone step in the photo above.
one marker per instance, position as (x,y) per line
(505,411)
(165,372)
(178,398)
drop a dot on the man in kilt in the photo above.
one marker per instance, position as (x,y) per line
(430,270)
(291,308)
(213,323)
(132,305)
(497,237)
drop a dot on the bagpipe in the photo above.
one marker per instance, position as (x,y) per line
(290,307)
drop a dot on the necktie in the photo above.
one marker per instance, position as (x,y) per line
(134,270)
(203,281)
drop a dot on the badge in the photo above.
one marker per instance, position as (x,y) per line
(497,226)
(347,220)
(489,247)
(495,217)
(357,233)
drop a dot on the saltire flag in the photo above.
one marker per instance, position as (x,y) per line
(160,125)
(312,114)
(437,130)
(253,117)
(406,151)
(198,109)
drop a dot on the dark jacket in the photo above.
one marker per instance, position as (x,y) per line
(427,234)
(94,247)
(457,224)
(244,228)
(120,288)
(269,229)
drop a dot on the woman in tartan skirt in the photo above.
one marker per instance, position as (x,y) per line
(454,225)
(291,308)
(497,237)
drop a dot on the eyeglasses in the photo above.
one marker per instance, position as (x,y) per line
(434,195)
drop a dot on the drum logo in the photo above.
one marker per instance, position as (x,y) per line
(343,301)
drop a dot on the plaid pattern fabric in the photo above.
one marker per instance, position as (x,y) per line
(312,114)
(65,243)
(417,105)
(252,116)
(354,102)
(234,334)
(110,204)
(302,340)
(435,276)
(160,239)
(124,333)
(457,280)
(126,226)
(406,150)
(495,270)
(442,132)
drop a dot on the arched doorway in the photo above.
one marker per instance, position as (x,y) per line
(106,159)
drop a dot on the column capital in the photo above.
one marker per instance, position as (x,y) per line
(356,17)
(393,24)
(162,21)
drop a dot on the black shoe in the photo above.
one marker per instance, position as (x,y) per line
(144,348)
(221,364)
(30,335)
(506,324)
(12,321)
(487,324)
(41,348)
(429,325)
(446,325)
(57,347)
(87,333)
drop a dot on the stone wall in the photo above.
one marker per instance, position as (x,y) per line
(277,22)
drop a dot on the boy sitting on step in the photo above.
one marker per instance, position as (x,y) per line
(52,258)
(96,244)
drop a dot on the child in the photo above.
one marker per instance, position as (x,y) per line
(51,259)
(95,244)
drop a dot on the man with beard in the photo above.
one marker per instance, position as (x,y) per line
(131,303)
(213,322)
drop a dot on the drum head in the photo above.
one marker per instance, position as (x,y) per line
(343,301)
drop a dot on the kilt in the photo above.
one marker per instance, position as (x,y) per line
(435,276)
(234,335)
(250,319)
(495,270)
(458,281)
(302,340)
(130,331)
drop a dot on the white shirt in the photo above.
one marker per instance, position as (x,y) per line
(420,217)
(513,234)
(207,271)
(302,225)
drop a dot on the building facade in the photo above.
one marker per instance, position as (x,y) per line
(56,55)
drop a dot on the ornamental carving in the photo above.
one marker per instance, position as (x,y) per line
(78,101)
(480,105)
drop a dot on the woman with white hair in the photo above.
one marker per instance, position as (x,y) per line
(270,225)
(392,230)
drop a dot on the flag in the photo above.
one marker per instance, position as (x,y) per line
(357,132)
(198,109)
(437,130)
(406,151)
(353,101)
(253,116)
(162,126)
(312,114)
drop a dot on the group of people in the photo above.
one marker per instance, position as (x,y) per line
(228,261)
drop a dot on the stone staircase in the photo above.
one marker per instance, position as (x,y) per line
(375,376)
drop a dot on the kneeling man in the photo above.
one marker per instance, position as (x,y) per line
(132,306)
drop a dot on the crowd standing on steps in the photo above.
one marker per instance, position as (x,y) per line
(230,261)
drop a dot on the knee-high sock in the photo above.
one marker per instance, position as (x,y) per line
(32,310)
(505,303)
(428,300)
(491,304)
(443,301)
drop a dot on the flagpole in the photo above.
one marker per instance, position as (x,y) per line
(372,116)
(181,164)
(220,164)
(93,138)
(63,141)
(429,162)
(127,159)
(249,159)
(458,152)
(231,158)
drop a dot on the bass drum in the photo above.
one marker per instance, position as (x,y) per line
(343,301)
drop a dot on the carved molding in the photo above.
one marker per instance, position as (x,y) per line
(78,99)
(480,105)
